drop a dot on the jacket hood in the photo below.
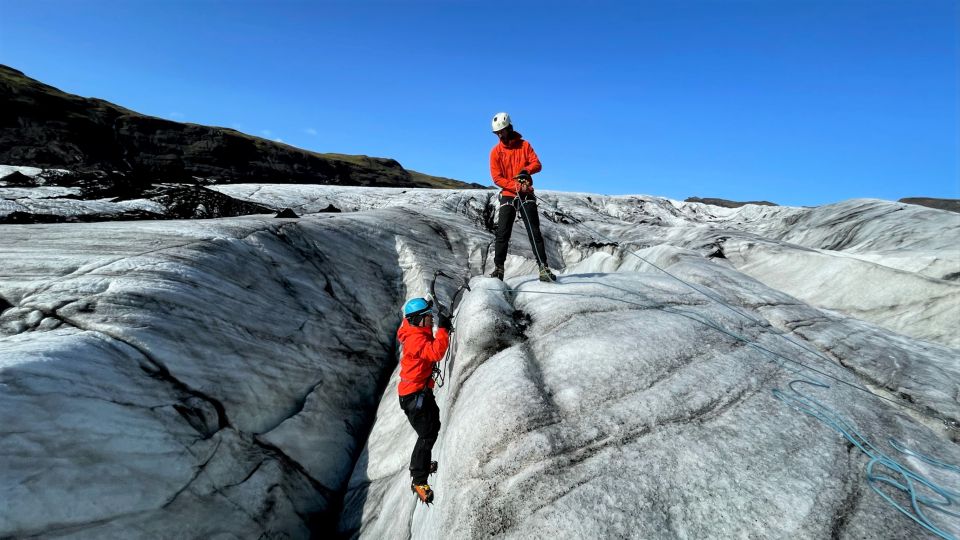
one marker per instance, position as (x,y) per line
(406,329)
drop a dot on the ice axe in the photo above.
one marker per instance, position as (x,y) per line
(438,372)
(464,285)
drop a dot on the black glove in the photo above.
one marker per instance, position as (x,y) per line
(443,321)
(524,176)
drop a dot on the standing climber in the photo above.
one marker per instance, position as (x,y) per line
(421,350)
(512,166)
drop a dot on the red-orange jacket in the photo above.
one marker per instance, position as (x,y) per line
(420,350)
(507,160)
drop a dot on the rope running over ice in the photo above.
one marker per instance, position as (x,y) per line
(802,403)
(807,405)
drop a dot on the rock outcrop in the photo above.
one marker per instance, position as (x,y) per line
(726,203)
(952,205)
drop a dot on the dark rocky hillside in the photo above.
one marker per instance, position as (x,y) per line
(952,205)
(726,203)
(41,126)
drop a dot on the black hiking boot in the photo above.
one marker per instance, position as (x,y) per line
(546,274)
(497,273)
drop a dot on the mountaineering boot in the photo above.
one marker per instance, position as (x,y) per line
(497,273)
(546,274)
(423,491)
(433,468)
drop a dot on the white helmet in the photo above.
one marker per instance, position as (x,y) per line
(500,121)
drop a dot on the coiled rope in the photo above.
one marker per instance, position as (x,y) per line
(910,479)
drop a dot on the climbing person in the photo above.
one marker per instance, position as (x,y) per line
(421,349)
(512,166)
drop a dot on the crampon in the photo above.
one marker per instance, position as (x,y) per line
(423,491)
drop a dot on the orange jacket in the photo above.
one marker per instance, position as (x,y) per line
(507,160)
(420,350)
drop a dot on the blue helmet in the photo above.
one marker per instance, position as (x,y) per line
(417,307)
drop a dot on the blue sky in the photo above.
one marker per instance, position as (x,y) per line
(797,102)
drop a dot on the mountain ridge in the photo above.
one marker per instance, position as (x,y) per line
(42,126)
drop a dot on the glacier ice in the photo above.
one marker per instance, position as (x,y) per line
(236,377)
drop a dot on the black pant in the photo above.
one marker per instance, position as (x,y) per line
(531,219)
(424,415)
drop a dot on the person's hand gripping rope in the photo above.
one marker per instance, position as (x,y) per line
(525,181)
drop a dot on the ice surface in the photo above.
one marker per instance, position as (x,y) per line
(37,192)
(604,407)
(909,302)
(26,171)
(237,377)
(46,201)
(615,412)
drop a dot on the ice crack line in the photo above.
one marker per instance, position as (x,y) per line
(278,454)
(159,371)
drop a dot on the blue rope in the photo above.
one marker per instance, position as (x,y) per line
(780,359)
(529,227)
(760,322)
(950,424)
(824,414)
(946,497)
(637,255)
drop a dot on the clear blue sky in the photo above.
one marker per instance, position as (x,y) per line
(798,102)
